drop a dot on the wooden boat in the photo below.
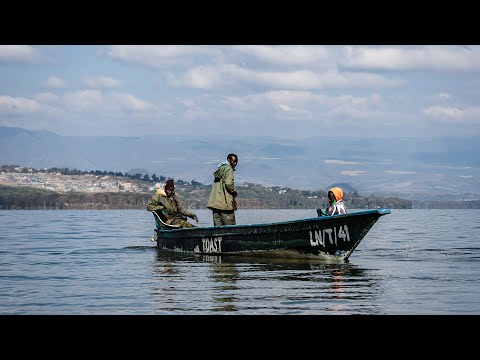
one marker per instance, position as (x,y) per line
(323,237)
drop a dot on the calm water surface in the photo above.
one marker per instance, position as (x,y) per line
(103,262)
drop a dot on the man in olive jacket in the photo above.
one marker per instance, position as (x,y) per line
(222,197)
(167,206)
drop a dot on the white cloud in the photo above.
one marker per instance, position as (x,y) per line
(109,104)
(352,173)
(295,111)
(203,77)
(158,56)
(349,105)
(211,77)
(90,101)
(444,96)
(297,90)
(400,172)
(18,105)
(19,54)
(83,100)
(40,104)
(340,162)
(55,83)
(46,97)
(307,104)
(288,97)
(132,103)
(101,82)
(287,55)
(408,58)
(442,112)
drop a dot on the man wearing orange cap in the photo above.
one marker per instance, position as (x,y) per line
(335,200)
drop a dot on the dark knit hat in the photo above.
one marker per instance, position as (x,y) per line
(169,184)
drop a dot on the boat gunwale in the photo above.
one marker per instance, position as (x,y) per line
(222,229)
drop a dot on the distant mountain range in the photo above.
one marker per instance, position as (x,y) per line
(411,168)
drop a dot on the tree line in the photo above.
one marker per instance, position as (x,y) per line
(193,196)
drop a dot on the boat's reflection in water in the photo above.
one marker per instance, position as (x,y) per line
(225,277)
(255,285)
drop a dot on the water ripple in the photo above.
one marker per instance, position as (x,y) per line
(102,262)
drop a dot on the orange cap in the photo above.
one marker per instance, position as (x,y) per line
(337,192)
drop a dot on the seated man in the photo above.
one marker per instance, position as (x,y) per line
(166,205)
(335,200)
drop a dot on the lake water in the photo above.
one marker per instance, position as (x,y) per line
(103,262)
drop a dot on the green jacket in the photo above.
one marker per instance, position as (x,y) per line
(223,193)
(169,208)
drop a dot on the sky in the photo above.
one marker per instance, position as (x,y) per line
(293,91)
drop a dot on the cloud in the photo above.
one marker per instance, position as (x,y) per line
(304,105)
(108,104)
(454,119)
(340,162)
(297,90)
(443,58)
(20,54)
(204,77)
(294,111)
(443,96)
(400,172)
(101,82)
(272,99)
(219,76)
(456,58)
(42,103)
(46,97)
(55,83)
(352,173)
(83,100)
(162,56)
(132,103)
(287,55)
(444,112)
(18,105)
(158,56)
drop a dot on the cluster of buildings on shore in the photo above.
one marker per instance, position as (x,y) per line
(69,183)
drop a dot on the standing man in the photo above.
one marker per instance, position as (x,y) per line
(222,197)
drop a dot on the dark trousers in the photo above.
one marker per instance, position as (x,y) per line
(223,217)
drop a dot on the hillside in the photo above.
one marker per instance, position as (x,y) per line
(251,196)
(410,168)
